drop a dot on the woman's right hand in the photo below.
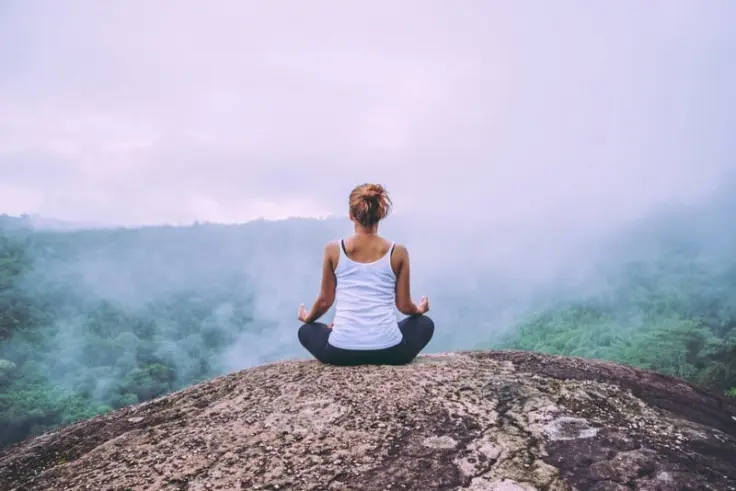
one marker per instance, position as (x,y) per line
(423,305)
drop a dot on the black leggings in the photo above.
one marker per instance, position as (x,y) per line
(416,333)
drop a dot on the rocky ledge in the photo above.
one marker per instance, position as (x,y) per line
(470,420)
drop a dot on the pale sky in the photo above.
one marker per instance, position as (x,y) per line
(155,111)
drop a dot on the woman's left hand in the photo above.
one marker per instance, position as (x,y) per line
(303,313)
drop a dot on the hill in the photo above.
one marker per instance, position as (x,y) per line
(513,421)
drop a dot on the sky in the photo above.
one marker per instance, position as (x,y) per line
(141,112)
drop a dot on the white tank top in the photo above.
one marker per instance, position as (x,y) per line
(364,304)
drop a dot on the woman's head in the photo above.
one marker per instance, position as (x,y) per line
(369,204)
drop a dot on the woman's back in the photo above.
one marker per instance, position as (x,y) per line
(367,277)
(365,295)
(364,248)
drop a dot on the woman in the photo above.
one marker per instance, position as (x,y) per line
(366,275)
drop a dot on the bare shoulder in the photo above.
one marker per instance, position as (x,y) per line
(400,249)
(332,248)
(332,252)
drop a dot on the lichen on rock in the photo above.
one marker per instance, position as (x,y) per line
(506,421)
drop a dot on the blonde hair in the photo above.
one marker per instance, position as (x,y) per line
(369,204)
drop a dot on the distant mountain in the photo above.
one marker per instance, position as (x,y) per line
(38,222)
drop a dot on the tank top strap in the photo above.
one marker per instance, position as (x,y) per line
(386,260)
(342,256)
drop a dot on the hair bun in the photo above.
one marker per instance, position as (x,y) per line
(369,204)
(374,190)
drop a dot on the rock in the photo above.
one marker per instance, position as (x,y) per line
(504,421)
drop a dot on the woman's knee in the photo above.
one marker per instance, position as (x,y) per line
(312,335)
(303,334)
(426,324)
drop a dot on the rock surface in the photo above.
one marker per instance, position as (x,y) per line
(505,421)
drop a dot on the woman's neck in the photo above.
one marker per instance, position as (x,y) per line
(361,230)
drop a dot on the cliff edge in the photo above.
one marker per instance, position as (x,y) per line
(500,420)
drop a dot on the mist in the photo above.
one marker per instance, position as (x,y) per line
(481,282)
(525,113)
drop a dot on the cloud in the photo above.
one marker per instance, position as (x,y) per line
(142,112)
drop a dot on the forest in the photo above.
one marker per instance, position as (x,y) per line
(95,320)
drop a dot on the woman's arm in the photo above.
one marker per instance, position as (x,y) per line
(403,284)
(326,296)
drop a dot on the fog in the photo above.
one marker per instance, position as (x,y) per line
(525,112)
(482,282)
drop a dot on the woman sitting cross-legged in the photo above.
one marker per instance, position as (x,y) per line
(365,276)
